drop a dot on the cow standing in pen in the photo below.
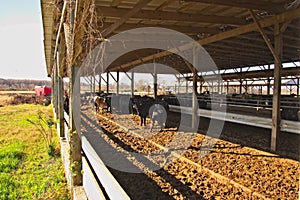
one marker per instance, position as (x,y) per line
(102,102)
(158,113)
(142,106)
(148,107)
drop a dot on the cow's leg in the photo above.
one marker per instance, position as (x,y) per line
(141,121)
(97,107)
(152,124)
(145,121)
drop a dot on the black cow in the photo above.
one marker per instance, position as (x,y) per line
(148,107)
(141,105)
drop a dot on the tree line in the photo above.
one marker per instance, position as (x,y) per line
(20,84)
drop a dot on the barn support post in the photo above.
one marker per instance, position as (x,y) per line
(277,54)
(99,83)
(269,83)
(155,82)
(222,87)
(94,84)
(53,95)
(186,86)
(195,104)
(178,89)
(155,86)
(241,86)
(91,84)
(60,98)
(195,121)
(74,128)
(118,82)
(219,84)
(201,86)
(277,87)
(132,83)
(227,87)
(52,87)
(60,114)
(75,157)
(107,83)
(298,84)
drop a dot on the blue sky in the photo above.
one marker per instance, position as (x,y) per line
(21,40)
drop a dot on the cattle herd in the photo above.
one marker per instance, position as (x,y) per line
(157,109)
(143,106)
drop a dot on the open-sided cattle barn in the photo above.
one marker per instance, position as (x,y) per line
(238,36)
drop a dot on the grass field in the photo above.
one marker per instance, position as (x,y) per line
(26,169)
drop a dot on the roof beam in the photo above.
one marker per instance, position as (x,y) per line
(168,16)
(290,15)
(116,3)
(261,41)
(264,35)
(165,4)
(250,51)
(293,71)
(125,16)
(189,30)
(247,45)
(247,4)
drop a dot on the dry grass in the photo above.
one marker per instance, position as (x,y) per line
(5,99)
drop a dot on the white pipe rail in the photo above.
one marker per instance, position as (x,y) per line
(286,125)
(108,182)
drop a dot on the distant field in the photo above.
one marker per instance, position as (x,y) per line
(26,169)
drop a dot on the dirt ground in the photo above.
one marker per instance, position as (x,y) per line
(239,166)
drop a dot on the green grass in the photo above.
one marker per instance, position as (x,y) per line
(26,170)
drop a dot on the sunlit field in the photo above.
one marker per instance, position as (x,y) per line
(27,171)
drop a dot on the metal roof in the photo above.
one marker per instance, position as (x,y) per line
(224,28)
